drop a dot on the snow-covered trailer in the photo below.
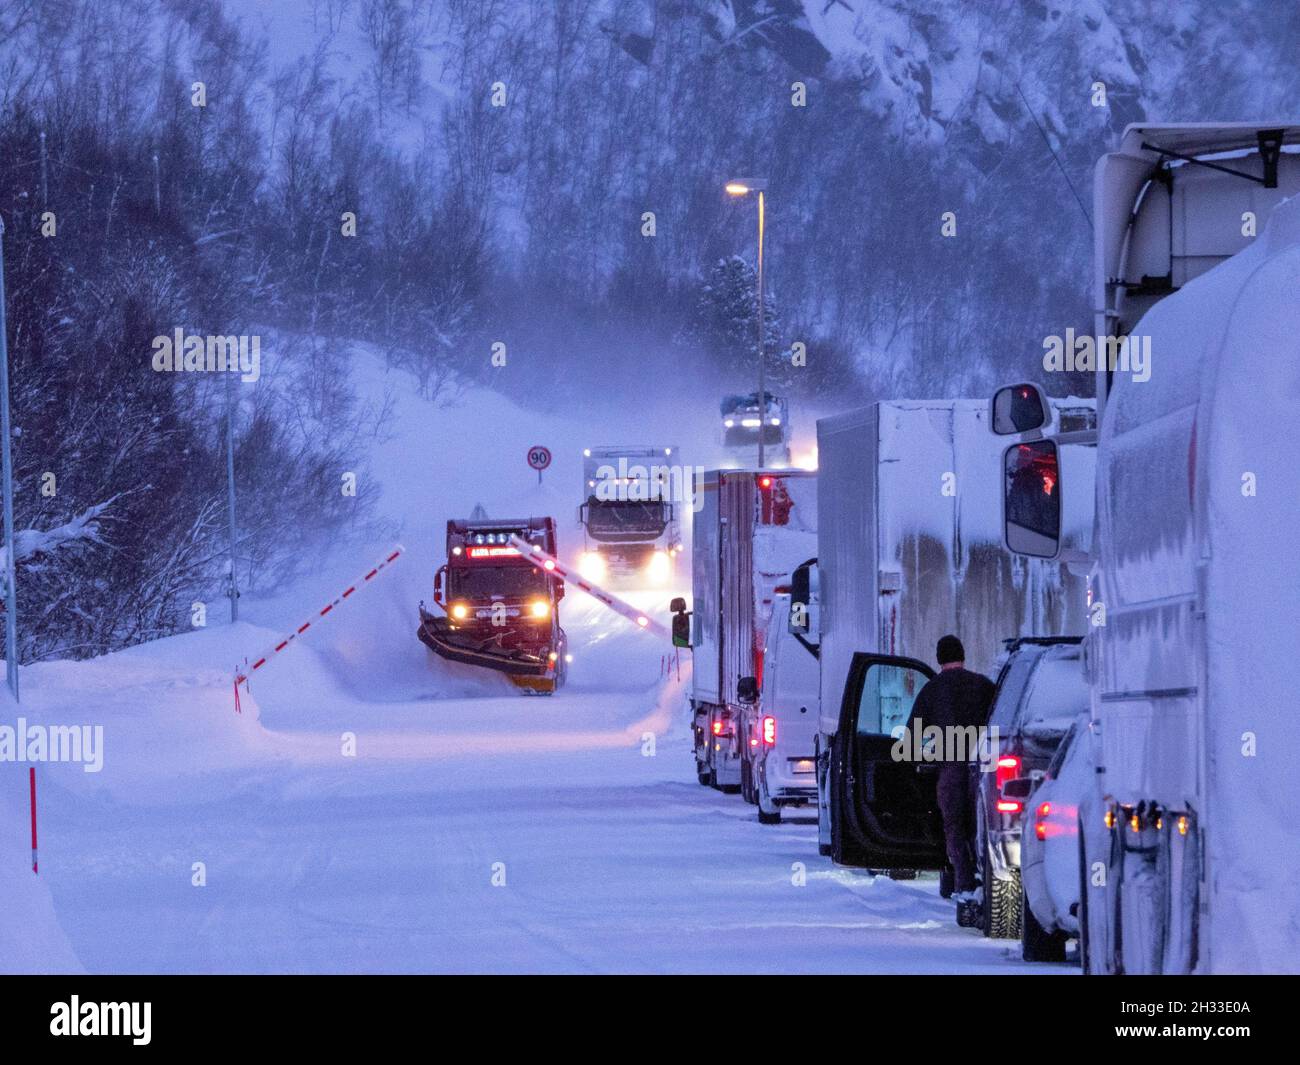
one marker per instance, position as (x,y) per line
(1192,843)
(752,529)
(909,548)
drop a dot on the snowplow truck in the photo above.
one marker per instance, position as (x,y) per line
(499,611)
(629,519)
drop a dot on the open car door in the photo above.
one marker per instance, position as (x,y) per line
(888,810)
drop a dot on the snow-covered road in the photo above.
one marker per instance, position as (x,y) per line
(491,834)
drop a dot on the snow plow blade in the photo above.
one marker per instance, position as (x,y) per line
(436,635)
(541,685)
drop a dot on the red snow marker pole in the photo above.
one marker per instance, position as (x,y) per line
(241,677)
(31,777)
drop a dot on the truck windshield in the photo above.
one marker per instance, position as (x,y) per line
(483,582)
(609,517)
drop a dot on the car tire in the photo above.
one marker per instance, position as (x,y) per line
(1003,902)
(713,779)
(765,818)
(1036,942)
(702,774)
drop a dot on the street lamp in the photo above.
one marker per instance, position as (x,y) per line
(743,187)
(7,488)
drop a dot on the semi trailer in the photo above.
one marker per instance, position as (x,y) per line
(498,611)
(752,529)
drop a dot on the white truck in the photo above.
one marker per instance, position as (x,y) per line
(909,548)
(630,530)
(752,529)
(1188,842)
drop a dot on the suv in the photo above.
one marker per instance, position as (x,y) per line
(1040,691)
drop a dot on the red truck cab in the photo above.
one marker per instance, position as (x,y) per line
(499,611)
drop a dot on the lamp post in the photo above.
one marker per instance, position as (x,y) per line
(7,487)
(743,187)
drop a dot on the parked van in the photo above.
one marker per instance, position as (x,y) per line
(782,726)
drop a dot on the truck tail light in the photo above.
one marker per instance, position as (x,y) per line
(1008,769)
(1040,826)
(1009,806)
(769,732)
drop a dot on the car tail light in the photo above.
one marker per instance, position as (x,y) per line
(1008,769)
(1040,826)
(1009,806)
(717,728)
(769,731)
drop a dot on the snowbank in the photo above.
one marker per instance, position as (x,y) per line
(31,938)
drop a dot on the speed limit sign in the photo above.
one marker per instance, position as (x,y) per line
(539,458)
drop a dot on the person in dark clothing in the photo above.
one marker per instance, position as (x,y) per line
(956,699)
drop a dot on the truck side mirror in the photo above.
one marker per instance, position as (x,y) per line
(1018,409)
(681,623)
(437,584)
(747,690)
(1019,788)
(1031,501)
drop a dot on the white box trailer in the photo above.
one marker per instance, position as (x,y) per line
(752,529)
(1191,839)
(910,548)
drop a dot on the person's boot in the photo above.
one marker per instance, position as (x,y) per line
(968,909)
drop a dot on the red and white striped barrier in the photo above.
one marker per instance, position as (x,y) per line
(242,677)
(551,564)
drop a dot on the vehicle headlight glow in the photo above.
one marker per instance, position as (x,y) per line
(592,566)
(750,423)
(730,423)
(539,608)
(459,611)
(660,567)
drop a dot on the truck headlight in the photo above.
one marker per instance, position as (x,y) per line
(539,608)
(592,566)
(659,568)
(459,611)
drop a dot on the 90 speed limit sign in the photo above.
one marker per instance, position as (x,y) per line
(539,457)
